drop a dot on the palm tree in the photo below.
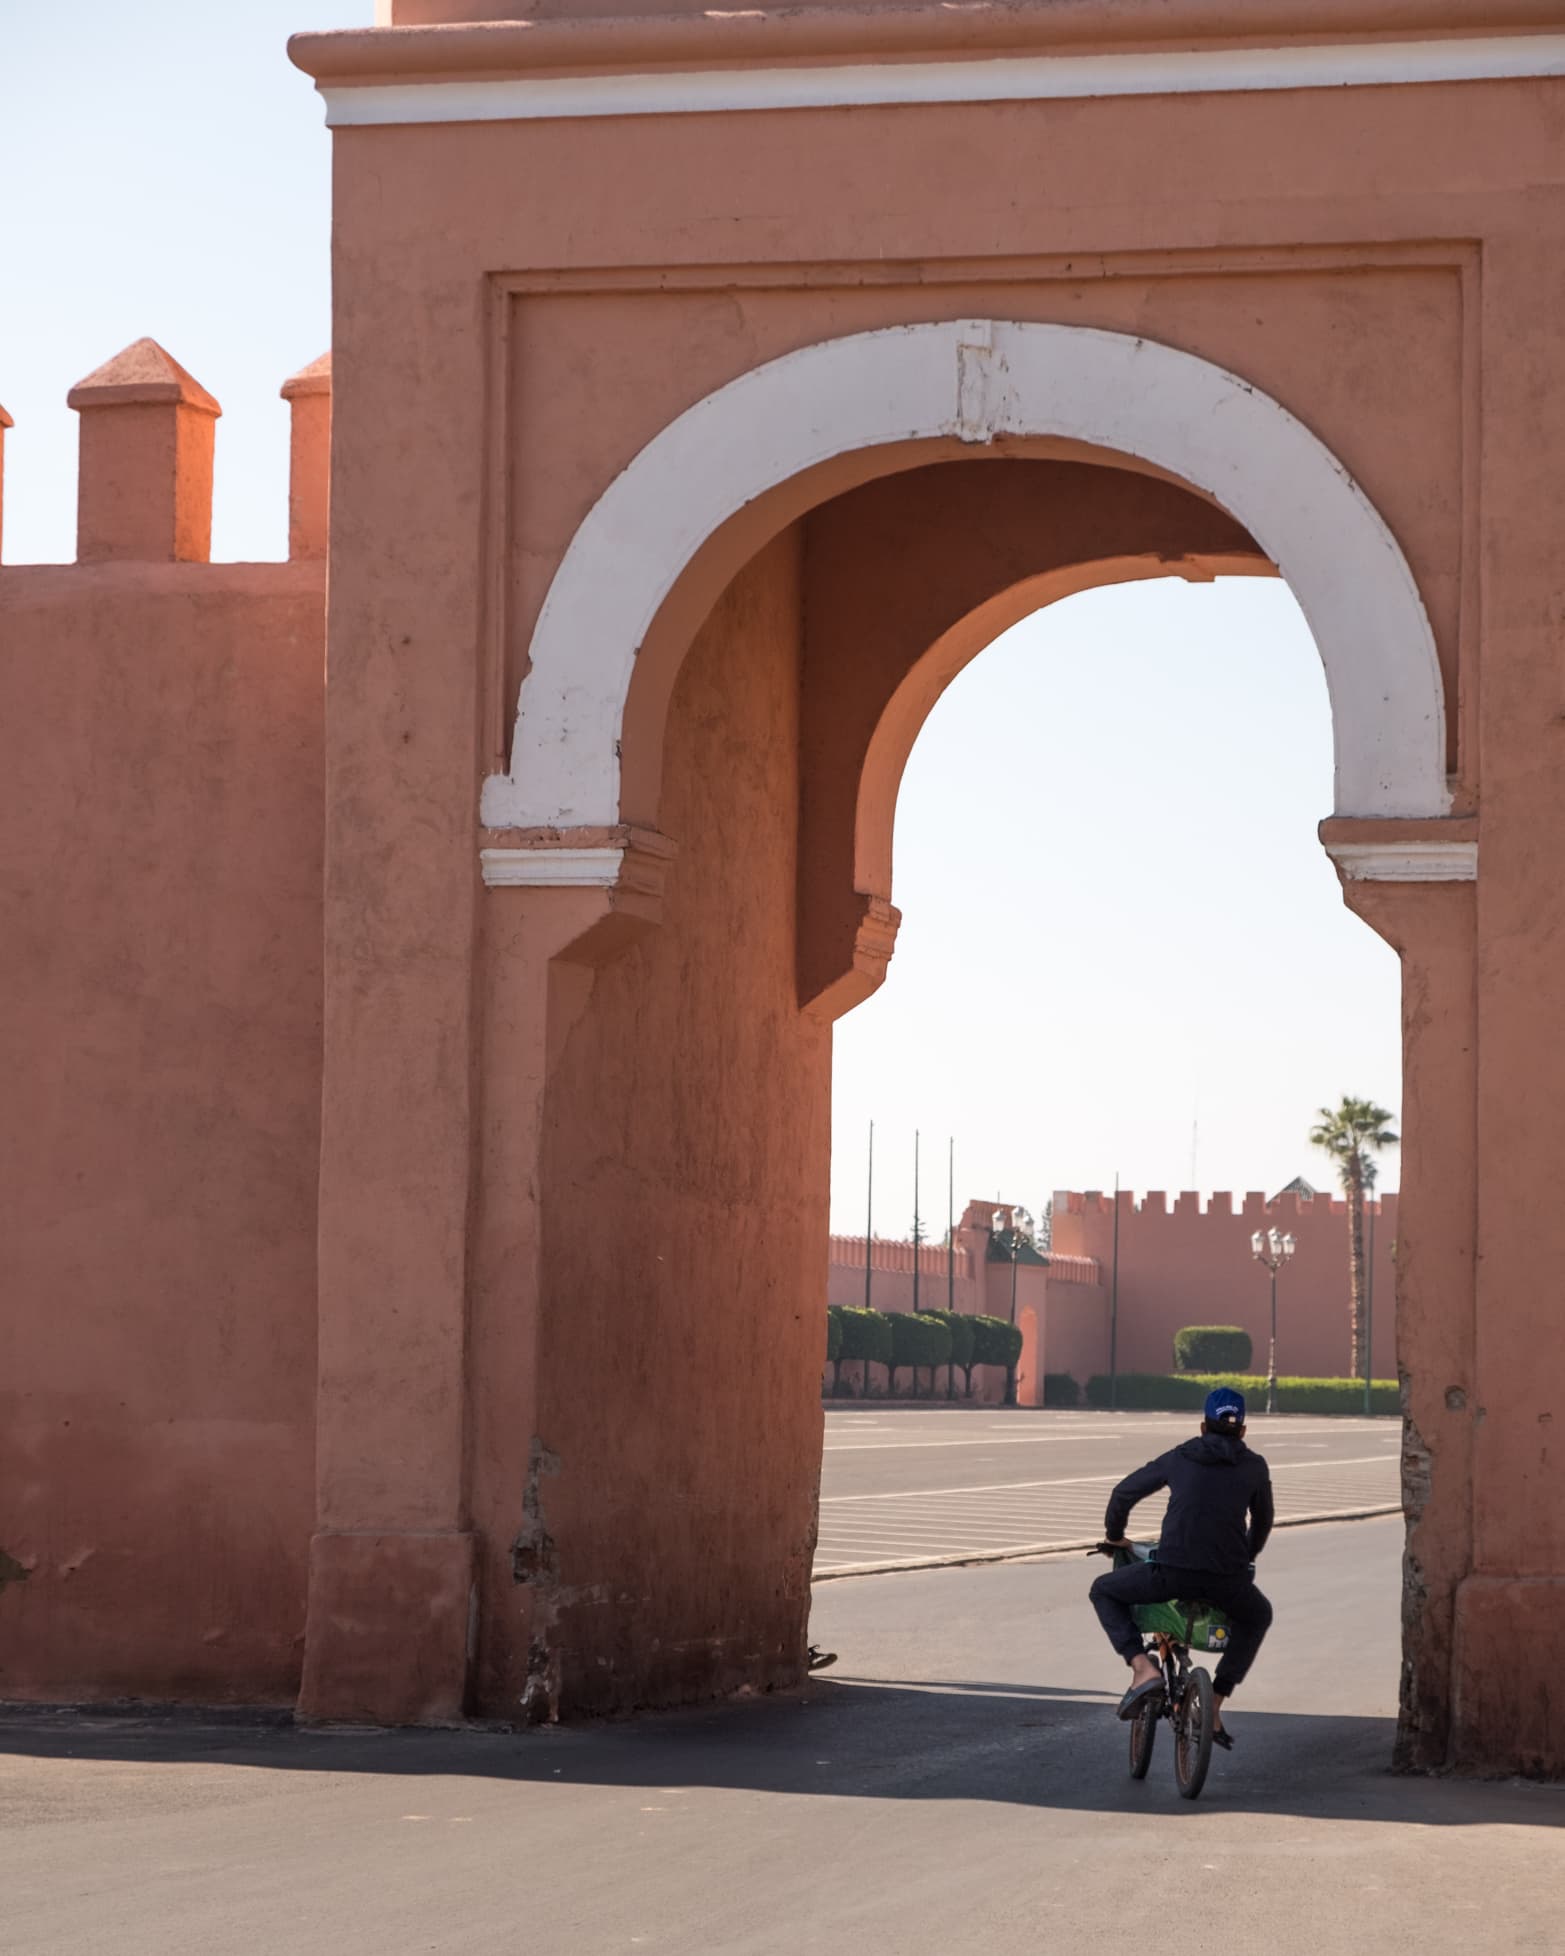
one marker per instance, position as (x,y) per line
(1350,1133)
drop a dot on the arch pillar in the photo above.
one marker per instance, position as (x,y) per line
(403,1598)
(648,1235)
(561,907)
(1413,883)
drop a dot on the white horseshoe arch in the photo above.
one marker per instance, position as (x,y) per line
(975,380)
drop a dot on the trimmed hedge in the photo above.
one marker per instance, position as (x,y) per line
(1060,1389)
(1185,1392)
(917,1339)
(896,1339)
(960,1326)
(996,1342)
(866,1337)
(1212,1348)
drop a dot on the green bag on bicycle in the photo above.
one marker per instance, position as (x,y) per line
(1198,1625)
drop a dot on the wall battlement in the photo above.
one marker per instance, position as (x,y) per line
(886,1253)
(145,453)
(1190,1262)
(1221,1202)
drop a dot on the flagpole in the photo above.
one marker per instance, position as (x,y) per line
(915,1225)
(869,1221)
(1114,1309)
(951,1225)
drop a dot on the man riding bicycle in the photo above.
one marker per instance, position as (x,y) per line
(1219,1515)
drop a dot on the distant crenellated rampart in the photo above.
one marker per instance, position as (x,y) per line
(1191,1262)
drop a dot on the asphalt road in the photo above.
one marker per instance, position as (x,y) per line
(956,1784)
(903,1485)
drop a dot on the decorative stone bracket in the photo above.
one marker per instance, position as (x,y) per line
(874,940)
(1442,850)
(627,868)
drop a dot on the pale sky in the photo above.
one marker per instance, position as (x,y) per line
(1121,938)
(1119,926)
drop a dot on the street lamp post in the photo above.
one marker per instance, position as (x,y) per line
(1272,1251)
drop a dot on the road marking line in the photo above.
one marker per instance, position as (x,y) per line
(1025,1550)
(1056,1439)
(1081,1480)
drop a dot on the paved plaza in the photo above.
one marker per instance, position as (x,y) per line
(956,1784)
(903,1485)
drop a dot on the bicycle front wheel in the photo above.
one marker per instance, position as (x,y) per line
(1193,1734)
(1143,1736)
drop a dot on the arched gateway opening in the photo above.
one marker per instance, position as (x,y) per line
(603,1495)
(725,681)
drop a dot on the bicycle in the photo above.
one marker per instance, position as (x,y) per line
(1172,1631)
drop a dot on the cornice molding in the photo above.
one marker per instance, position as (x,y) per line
(441,46)
(506,73)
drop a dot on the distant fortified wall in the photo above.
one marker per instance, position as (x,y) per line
(1192,1264)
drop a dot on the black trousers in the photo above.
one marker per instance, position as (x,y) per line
(1114,1596)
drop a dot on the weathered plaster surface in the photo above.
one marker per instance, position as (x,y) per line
(160,871)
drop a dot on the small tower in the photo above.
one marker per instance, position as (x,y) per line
(144,484)
(308,394)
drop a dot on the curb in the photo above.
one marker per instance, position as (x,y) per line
(1036,1551)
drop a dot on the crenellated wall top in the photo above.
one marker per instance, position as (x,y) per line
(145,459)
(1252,1204)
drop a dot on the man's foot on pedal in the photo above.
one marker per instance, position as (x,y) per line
(1138,1695)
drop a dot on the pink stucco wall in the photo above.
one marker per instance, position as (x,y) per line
(1185,1263)
(160,873)
(967,1281)
(1189,1263)
(891,1275)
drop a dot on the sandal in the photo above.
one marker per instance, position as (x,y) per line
(817,1659)
(1137,1696)
(1224,1738)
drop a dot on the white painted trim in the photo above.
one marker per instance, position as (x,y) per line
(543,869)
(1016,78)
(1406,862)
(975,380)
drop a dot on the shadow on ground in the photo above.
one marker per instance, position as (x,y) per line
(947,1739)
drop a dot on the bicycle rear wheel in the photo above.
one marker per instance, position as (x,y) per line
(1143,1736)
(1193,1734)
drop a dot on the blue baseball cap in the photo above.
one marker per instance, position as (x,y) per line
(1225,1407)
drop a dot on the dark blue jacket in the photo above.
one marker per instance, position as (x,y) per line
(1219,1504)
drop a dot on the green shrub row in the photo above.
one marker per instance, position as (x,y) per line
(919,1342)
(1181,1392)
(1212,1348)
